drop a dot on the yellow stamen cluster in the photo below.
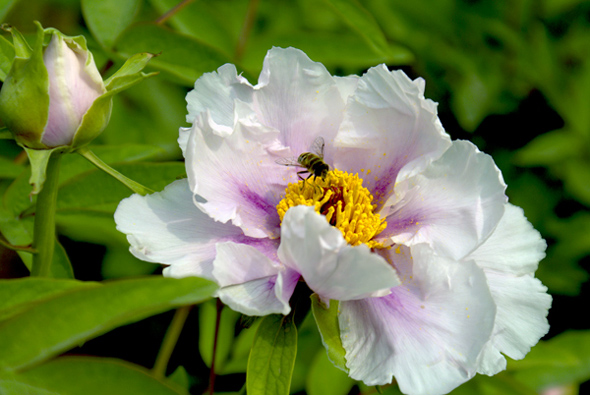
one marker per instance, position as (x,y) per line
(344,201)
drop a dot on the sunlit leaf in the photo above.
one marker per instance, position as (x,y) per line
(272,358)
(106,19)
(96,376)
(181,56)
(63,321)
(327,321)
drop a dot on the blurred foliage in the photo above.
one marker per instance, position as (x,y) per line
(513,76)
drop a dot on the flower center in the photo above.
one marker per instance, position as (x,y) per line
(343,200)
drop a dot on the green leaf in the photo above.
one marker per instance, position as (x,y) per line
(550,148)
(562,360)
(325,379)
(9,169)
(180,377)
(6,57)
(97,191)
(327,321)
(272,357)
(238,361)
(96,376)
(182,56)
(52,326)
(361,20)
(207,318)
(577,179)
(19,295)
(19,231)
(107,19)
(217,23)
(5,7)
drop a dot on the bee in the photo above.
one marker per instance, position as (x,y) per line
(313,161)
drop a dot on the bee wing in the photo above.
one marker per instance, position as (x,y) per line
(288,162)
(317,146)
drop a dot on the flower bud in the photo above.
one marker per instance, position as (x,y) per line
(50,96)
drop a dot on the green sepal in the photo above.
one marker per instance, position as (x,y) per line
(20,45)
(39,159)
(99,113)
(24,99)
(6,57)
(327,320)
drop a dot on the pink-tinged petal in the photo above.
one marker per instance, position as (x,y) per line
(522,304)
(216,92)
(299,98)
(236,176)
(427,333)
(74,84)
(166,227)
(514,247)
(252,282)
(330,267)
(390,131)
(453,205)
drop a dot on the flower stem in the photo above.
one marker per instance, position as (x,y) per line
(246,29)
(173,11)
(44,230)
(129,183)
(212,371)
(169,342)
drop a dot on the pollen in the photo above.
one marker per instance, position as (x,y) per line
(342,199)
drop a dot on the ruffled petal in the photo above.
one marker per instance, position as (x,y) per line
(251,282)
(236,175)
(522,304)
(453,205)
(427,333)
(330,267)
(509,258)
(514,247)
(389,132)
(301,99)
(166,227)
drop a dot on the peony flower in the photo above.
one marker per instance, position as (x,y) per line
(409,230)
(50,96)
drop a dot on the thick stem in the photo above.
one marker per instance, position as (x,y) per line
(129,183)
(169,342)
(44,236)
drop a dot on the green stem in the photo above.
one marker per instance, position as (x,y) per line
(129,183)
(169,342)
(17,248)
(215,338)
(44,231)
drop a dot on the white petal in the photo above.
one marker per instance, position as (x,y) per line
(454,205)
(166,227)
(522,305)
(252,282)
(514,246)
(330,267)
(217,92)
(389,132)
(427,333)
(236,175)
(301,99)
(509,258)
